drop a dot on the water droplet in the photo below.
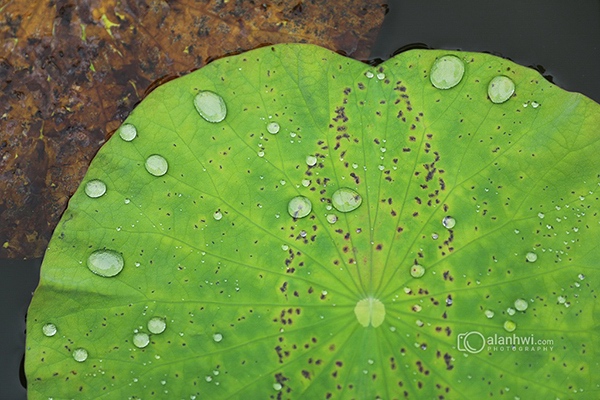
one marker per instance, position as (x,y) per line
(285,247)
(106,263)
(332,218)
(419,323)
(521,305)
(500,89)
(541,215)
(535,104)
(448,222)
(277,386)
(581,277)
(156,165)
(127,201)
(370,311)
(218,215)
(127,132)
(141,340)
(561,299)
(435,236)
(273,128)
(95,188)
(260,153)
(305,182)
(381,76)
(489,313)
(417,271)
(217,337)
(510,326)
(210,106)
(80,355)
(369,74)
(49,329)
(346,200)
(157,325)
(510,311)
(446,72)
(531,257)
(299,207)
(311,160)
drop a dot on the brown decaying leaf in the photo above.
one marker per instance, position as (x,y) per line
(72,70)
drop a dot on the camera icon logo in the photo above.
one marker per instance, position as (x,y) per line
(472,342)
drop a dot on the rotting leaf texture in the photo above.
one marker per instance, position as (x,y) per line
(71,71)
(467,269)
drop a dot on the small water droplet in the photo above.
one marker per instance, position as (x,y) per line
(128,132)
(285,247)
(95,188)
(260,153)
(448,222)
(218,215)
(156,165)
(419,323)
(157,325)
(369,74)
(277,386)
(489,313)
(306,182)
(521,304)
(80,355)
(561,299)
(581,277)
(49,329)
(435,236)
(500,89)
(127,201)
(311,160)
(381,76)
(510,326)
(299,207)
(446,72)
(332,218)
(106,263)
(531,257)
(541,215)
(273,128)
(210,106)
(217,337)
(208,378)
(510,311)
(535,104)
(346,200)
(417,271)
(141,340)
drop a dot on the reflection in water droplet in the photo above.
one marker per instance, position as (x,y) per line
(106,263)
(299,207)
(80,355)
(332,218)
(531,257)
(311,160)
(127,132)
(217,337)
(273,128)
(489,313)
(157,325)
(218,215)
(500,89)
(210,106)
(49,329)
(446,72)
(417,271)
(521,304)
(141,340)
(346,200)
(510,326)
(156,165)
(95,188)
(448,222)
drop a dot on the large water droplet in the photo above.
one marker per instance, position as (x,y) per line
(521,304)
(80,355)
(95,188)
(311,160)
(157,325)
(448,222)
(210,106)
(531,257)
(370,311)
(49,329)
(106,263)
(217,337)
(500,89)
(346,200)
(218,215)
(447,72)
(273,128)
(128,132)
(299,207)
(156,165)
(141,340)
(417,271)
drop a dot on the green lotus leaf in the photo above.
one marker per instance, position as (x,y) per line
(289,223)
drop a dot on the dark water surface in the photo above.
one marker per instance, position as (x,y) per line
(559,38)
